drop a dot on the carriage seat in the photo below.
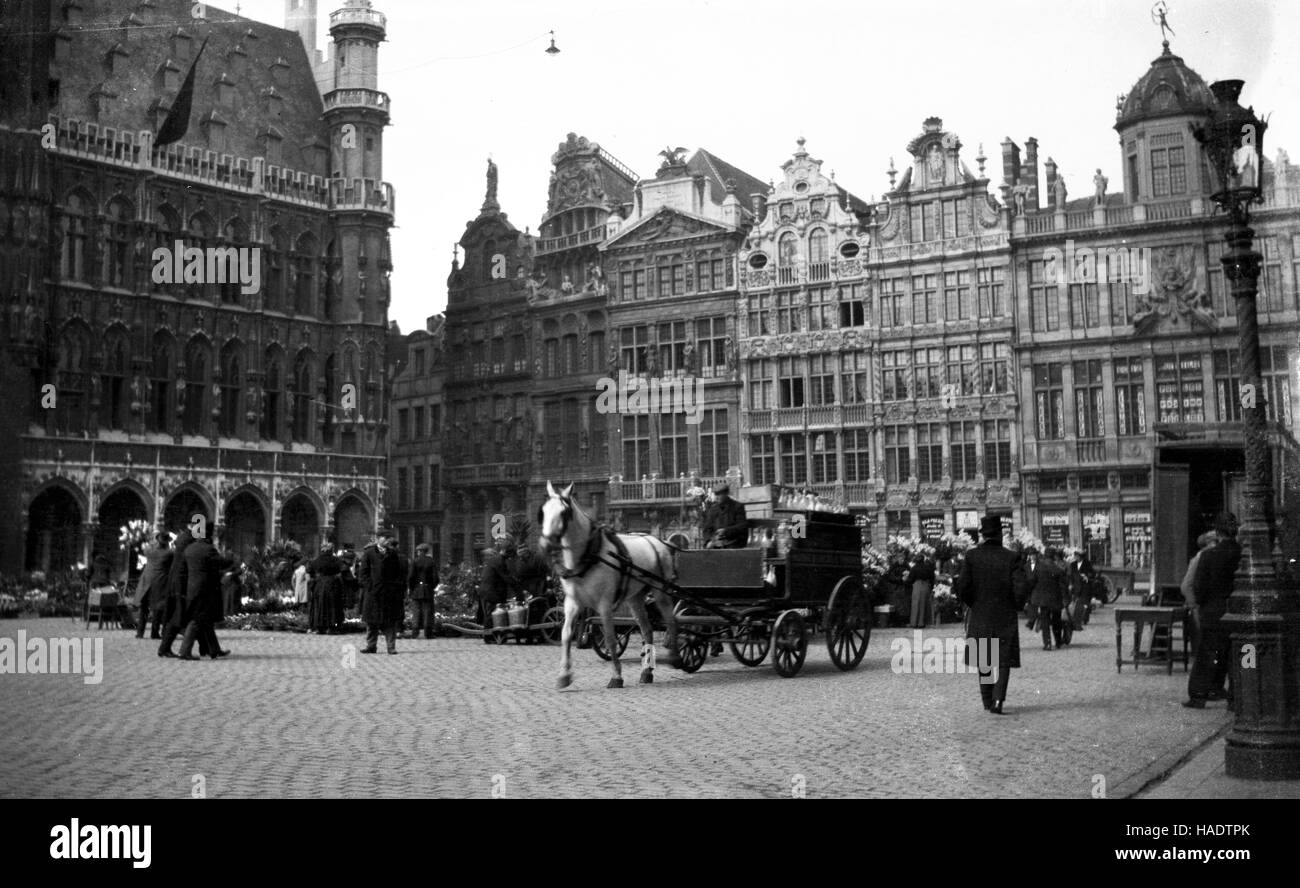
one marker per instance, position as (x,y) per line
(722,573)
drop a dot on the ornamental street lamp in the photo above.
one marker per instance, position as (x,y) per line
(1263,618)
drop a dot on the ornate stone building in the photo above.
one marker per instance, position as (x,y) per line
(263,409)
(415,483)
(1127,346)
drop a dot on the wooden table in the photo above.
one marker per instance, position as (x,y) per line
(1140,617)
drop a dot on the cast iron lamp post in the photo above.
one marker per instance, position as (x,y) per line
(1263,616)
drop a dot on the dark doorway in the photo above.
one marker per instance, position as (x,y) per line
(300,522)
(176,516)
(53,531)
(245,526)
(114,512)
(352,525)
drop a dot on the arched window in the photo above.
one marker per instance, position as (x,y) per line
(273,382)
(331,397)
(274,283)
(74,366)
(117,251)
(302,377)
(201,234)
(236,233)
(197,364)
(113,391)
(231,386)
(162,372)
(304,266)
(788,249)
(76,212)
(818,247)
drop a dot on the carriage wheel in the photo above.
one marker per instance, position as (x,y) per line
(692,649)
(552,634)
(789,644)
(848,624)
(750,643)
(598,641)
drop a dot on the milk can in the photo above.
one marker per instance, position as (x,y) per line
(518,616)
(500,617)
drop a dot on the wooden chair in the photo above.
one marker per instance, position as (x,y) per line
(103,604)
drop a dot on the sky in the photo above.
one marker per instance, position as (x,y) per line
(746,79)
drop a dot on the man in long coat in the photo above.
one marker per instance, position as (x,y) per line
(174,593)
(201,573)
(1050,584)
(992,583)
(152,584)
(422,582)
(383,591)
(1213,582)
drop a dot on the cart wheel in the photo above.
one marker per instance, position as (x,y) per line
(789,644)
(848,624)
(551,634)
(750,643)
(1110,590)
(692,649)
(598,641)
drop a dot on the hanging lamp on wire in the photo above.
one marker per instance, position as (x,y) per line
(552,49)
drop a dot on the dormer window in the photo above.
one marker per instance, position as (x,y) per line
(111,57)
(225,91)
(1168,165)
(180,45)
(168,78)
(271,142)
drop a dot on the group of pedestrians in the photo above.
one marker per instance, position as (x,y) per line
(520,573)
(180,592)
(1060,594)
(1206,589)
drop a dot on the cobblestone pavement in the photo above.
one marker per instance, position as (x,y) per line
(284,717)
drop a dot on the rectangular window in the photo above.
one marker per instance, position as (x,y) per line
(762,459)
(857,456)
(894,378)
(989,285)
(824,458)
(1122,304)
(672,348)
(997,448)
(760,314)
(1227,386)
(961,443)
(957,298)
(418,429)
(925,298)
(1271,297)
(762,389)
(794,459)
(1180,388)
(417,486)
(636,446)
(929,452)
(1085,306)
(1088,410)
(708,275)
(995,363)
(853,305)
(1278,372)
(672,444)
(789,314)
(790,382)
(1160,172)
(1137,539)
(714,454)
(898,454)
(893,302)
(403,424)
(1049,400)
(928,369)
(853,377)
(898,521)
(821,379)
(711,345)
(1221,300)
(961,371)
(1130,397)
(823,312)
(403,491)
(632,352)
(1044,304)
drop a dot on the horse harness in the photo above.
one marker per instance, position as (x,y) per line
(592,554)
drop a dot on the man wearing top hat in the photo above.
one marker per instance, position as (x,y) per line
(725,525)
(992,583)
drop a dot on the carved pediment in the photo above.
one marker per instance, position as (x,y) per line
(663,226)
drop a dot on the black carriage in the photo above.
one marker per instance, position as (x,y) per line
(767,598)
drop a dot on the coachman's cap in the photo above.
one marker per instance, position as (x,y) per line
(991,526)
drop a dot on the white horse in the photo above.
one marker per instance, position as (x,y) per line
(590,578)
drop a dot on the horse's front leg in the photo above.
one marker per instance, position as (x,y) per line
(637,603)
(664,602)
(571,609)
(611,643)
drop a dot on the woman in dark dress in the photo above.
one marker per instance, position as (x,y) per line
(325,613)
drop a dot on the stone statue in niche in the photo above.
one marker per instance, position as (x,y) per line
(1019,194)
(934,161)
(1099,183)
(1060,193)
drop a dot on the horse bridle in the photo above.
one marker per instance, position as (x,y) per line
(590,550)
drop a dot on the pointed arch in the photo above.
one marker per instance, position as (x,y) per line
(162,373)
(78,213)
(117,268)
(113,406)
(272,391)
(193,385)
(231,368)
(305,260)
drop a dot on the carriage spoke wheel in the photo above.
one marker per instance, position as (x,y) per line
(692,650)
(789,644)
(848,624)
(554,615)
(598,641)
(750,643)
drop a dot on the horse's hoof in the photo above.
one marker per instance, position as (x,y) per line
(563,682)
(614,683)
(647,676)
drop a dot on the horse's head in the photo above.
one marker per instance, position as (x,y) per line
(554,516)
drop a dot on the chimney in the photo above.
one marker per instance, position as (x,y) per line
(1049,173)
(1010,163)
(731,205)
(1029,173)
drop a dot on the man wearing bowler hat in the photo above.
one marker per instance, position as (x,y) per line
(725,525)
(992,583)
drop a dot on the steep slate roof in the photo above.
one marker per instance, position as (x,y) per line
(718,171)
(147,40)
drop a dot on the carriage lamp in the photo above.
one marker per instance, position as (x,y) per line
(1263,618)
